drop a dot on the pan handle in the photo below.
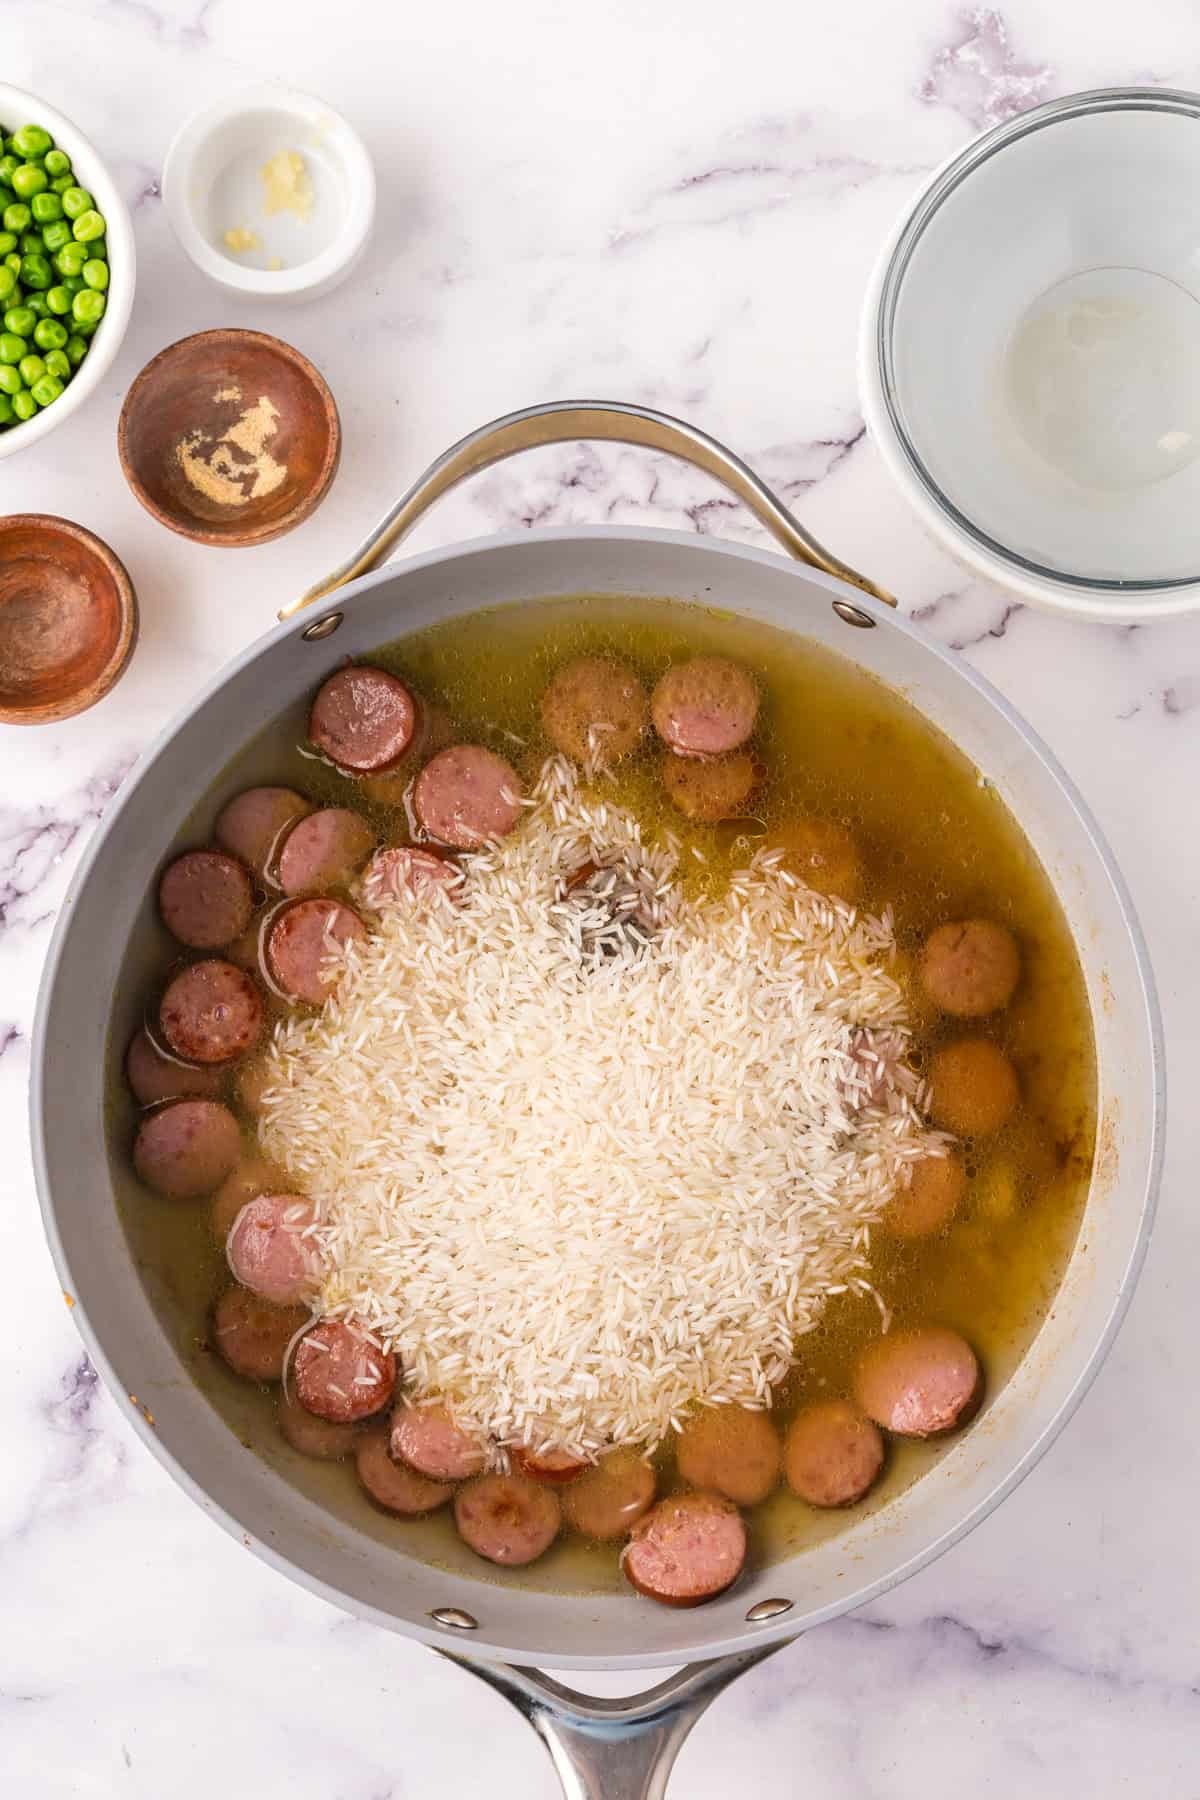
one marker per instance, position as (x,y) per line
(613,1749)
(568,421)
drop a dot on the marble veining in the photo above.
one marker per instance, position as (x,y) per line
(677,205)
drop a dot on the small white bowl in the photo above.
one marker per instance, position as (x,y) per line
(19,107)
(213,184)
(1030,354)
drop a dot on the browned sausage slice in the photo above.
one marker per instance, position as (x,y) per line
(970,968)
(211,1012)
(252,824)
(393,1485)
(406,873)
(325,850)
(595,710)
(363,719)
(270,1248)
(687,1549)
(153,1077)
(705,707)
(831,1454)
(930,1200)
(248,1181)
(252,1335)
(608,1500)
(467,795)
(507,1518)
(918,1383)
(205,898)
(822,854)
(973,1088)
(342,1373)
(318,1438)
(710,791)
(555,1466)
(187,1149)
(301,946)
(428,1440)
(730,1450)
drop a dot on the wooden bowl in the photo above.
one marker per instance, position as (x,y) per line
(229,437)
(68,619)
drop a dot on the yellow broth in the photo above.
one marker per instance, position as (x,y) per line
(937,844)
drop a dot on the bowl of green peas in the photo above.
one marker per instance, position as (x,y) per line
(66,269)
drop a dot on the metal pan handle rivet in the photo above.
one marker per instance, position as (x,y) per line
(322,628)
(853,615)
(768,1609)
(454,1615)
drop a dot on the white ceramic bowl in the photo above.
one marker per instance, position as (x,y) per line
(19,107)
(1030,354)
(213,184)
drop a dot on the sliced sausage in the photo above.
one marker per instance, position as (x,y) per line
(187,1149)
(832,1454)
(428,1440)
(507,1518)
(730,1450)
(247,1182)
(393,1485)
(705,707)
(927,1204)
(270,1248)
(342,1373)
(608,1500)
(205,899)
(823,854)
(153,1077)
(554,1466)
(211,1012)
(466,796)
(920,1382)
(973,1088)
(253,1335)
(710,791)
(687,1549)
(319,1438)
(252,824)
(301,946)
(435,731)
(325,850)
(363,719)
(406,873)
(970,968)
(595,709)
(250,1084)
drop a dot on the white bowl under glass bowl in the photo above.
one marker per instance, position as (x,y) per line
(1030,354)
(19,107)
(245,221)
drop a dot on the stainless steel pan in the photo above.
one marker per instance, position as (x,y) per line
(619,1749)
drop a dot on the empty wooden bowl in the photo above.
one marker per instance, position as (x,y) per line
(229,437)
(68,619)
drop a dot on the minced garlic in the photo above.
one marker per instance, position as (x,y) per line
(239,239)
(286,186)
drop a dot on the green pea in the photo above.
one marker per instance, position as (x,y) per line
(76,349)
(95,274)
(8,241)
(20,320)
(57,162)
(10,379)
(7,197)
(88,226)
(46,389)
(8,167)
(6,412)
(24,405)
(86,328)
(61,183)
(12,347)
(36,271)
(71,258)
(76,201)
(48,334)
(31,244)
(58,363)
(99,248)
(12,261)
(29,180)
(32,369)
(87,308)
(72,283)
(8,284)
(56,234)
(46,208)
(32,141)
(58,298)
(17,217)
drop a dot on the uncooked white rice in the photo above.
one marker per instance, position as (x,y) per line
(579,1181)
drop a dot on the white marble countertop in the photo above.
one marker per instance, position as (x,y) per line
(676,204)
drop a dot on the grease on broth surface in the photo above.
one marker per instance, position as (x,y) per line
(937,844)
